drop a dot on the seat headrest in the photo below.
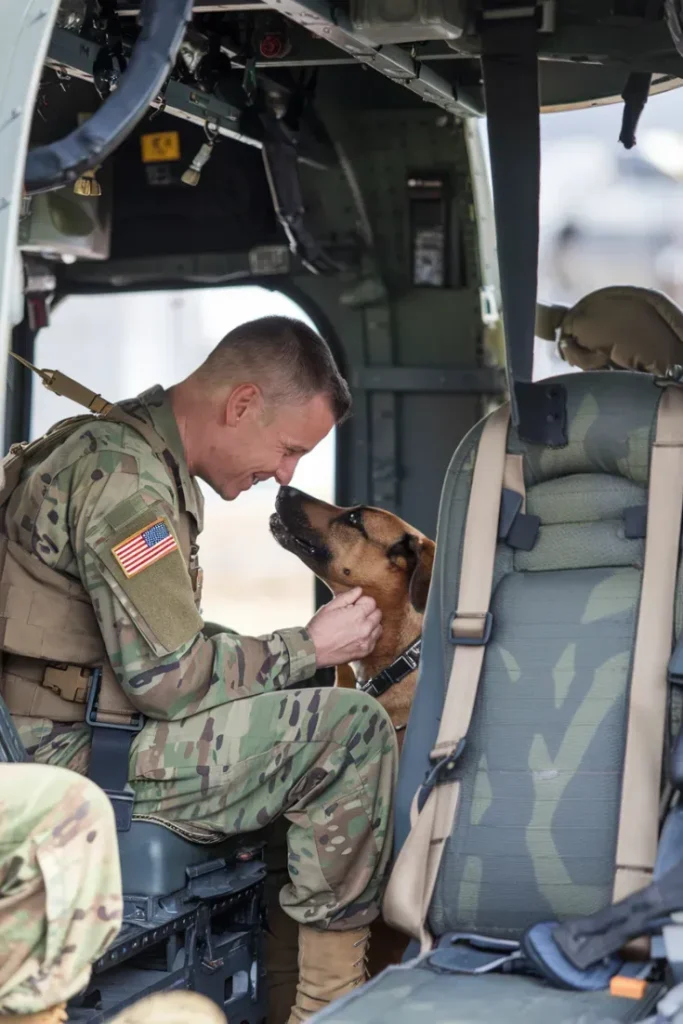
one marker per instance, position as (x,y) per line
(622,327)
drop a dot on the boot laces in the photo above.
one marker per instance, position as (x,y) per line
(364,958)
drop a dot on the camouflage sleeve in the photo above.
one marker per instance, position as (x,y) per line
(152,630)
(60,887)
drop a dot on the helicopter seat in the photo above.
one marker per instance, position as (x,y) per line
(553,781)
(192,915)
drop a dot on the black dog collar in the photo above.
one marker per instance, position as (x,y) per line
(401,667)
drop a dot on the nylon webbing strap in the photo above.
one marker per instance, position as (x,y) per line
(67,387)
(513,476)
(116,414)
(510,71)
(410,888)
(639,812)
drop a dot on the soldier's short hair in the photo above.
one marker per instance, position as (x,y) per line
(288,360)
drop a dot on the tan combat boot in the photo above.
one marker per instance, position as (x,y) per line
(172,1008)
(55,1015)
(330,965)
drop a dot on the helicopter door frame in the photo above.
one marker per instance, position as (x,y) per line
(26,33)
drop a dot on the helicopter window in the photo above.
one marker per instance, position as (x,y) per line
(120,344)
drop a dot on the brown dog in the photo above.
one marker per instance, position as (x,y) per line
(373,549)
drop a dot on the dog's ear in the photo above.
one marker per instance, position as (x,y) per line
(422,575)
(418,553)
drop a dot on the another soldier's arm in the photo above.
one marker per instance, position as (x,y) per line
(149,622)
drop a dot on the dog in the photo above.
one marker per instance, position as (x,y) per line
(392,561)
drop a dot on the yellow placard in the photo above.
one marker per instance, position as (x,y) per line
(160,146)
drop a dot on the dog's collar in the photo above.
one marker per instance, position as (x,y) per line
(401,667)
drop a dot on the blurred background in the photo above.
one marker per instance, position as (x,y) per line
(608,216)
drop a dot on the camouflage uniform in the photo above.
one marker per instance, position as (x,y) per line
(60,885)
(226,748)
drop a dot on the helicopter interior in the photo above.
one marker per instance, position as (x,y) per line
(331,149)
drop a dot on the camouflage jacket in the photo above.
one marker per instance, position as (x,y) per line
(75,510)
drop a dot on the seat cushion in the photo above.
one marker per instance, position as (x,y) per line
(154,858)
(415,992)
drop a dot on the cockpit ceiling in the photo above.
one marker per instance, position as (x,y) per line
(587,50)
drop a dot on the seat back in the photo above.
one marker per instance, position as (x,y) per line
(11,747)
(535,833)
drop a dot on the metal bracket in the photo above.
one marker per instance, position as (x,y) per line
(53,165)
(76,56)
(332,23)
(542,413)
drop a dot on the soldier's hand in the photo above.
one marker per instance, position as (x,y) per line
(346,629)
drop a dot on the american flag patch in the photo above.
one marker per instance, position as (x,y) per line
(144,548)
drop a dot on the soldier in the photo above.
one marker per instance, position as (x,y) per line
(60,888)
(61,902)
(101,519)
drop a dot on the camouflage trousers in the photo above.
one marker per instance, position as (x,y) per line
(326,759)
(60,884)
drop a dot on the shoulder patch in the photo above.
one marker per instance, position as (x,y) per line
(150,577)
(144,547)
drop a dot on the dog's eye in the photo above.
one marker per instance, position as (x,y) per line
(354,518)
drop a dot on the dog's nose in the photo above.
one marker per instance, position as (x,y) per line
(287,493)
(287,498)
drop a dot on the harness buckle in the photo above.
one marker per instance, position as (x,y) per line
(442,771)
(70,682)
(470,640)
(122,801)
(402,666)
(410,659)
(91,710)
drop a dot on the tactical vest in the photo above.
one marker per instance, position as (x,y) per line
(50,640)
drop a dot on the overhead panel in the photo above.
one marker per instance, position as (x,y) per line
(391,60)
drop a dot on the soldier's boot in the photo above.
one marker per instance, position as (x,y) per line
(330,965)
(55,1015)
(172,1008)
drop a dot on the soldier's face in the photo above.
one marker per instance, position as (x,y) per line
(256,443)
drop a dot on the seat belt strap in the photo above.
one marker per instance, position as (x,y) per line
(409,892)
(513,477)
(639,812)
(509,64)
